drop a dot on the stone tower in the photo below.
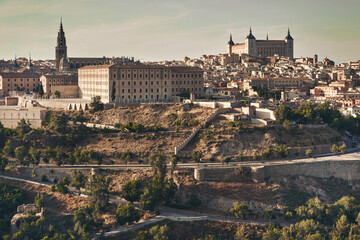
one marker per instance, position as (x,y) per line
(250,44)
(290,45)
(229,45)
(61,49)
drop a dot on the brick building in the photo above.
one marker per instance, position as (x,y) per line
(13,81)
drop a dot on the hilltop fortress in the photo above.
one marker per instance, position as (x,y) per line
(263,48)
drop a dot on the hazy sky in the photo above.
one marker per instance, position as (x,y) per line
(172,29)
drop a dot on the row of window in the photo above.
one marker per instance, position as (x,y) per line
(146,97)
(22,79)
(22,85)
(165,75)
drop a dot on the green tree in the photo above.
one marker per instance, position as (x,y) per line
(23,127)
(131,190)
(39,201)
(239,210)
(96,104)
(113,91)
(155,233)
(41,90)
(58,123)
(78,180)
(173,162)
(85,220)
(196,156)
(98,190)
(126,213)
(158,164)
(9,148)
(35,155)
(241,234)
(57,94)
(22,155)
(3,162)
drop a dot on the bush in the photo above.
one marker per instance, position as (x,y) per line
(131,190)
(309,153)
(240,210)
(126,214)
(44,178)
(194,200)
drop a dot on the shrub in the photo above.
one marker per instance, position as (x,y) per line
(131,190)
(239,210)
(309,153)
(126,214)
(44,178)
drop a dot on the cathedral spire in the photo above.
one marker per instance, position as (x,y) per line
(267,36)
(250,36)
(231,42)
(288,36)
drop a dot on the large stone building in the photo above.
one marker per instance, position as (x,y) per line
(65,64)
(139,83)
(49,81)
(263,48)
(15,81)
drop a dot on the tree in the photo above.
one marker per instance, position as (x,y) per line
(35,155)
(9,148)
(158,164)
(241,234)
(78,180)
(131,190)
(23,127)
(126,213)
(61,186)
(97,189)
(58,123)
(3,162)
(96,104)
(113,91)
(57,94)
(22,155)
(240,210)
(39,201)
(156,233)
(40,90)
(85,220)
(196,156)
(173,162)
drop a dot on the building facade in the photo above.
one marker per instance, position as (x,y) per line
(263,48)
(15,81)
(48,81)
(65,64)
(139,83)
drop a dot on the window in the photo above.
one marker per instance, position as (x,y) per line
(157,82)
(140,75)
(134,90)
(165,90)
(151,90)
(157,90)
(146,90)
(134,75)
(123,90)
(129,83)
(128,75)
(140,90)
(140,82)
(134,83)
(123,83)
(128,90)
(157,75)
(152,83)
(145,82)
(165,82)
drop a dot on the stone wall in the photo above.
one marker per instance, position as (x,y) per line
(343,169)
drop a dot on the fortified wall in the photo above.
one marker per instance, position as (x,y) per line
(343,169)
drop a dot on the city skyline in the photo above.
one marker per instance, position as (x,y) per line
(168,30)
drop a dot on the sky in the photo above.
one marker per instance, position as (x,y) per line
(154,30)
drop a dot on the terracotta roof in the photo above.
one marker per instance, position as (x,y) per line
(144,66)
(20,75)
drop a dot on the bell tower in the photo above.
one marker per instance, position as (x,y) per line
(60,49)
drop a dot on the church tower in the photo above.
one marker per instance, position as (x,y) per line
(250,44)
(290,45)
(60,49)
(230,45)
